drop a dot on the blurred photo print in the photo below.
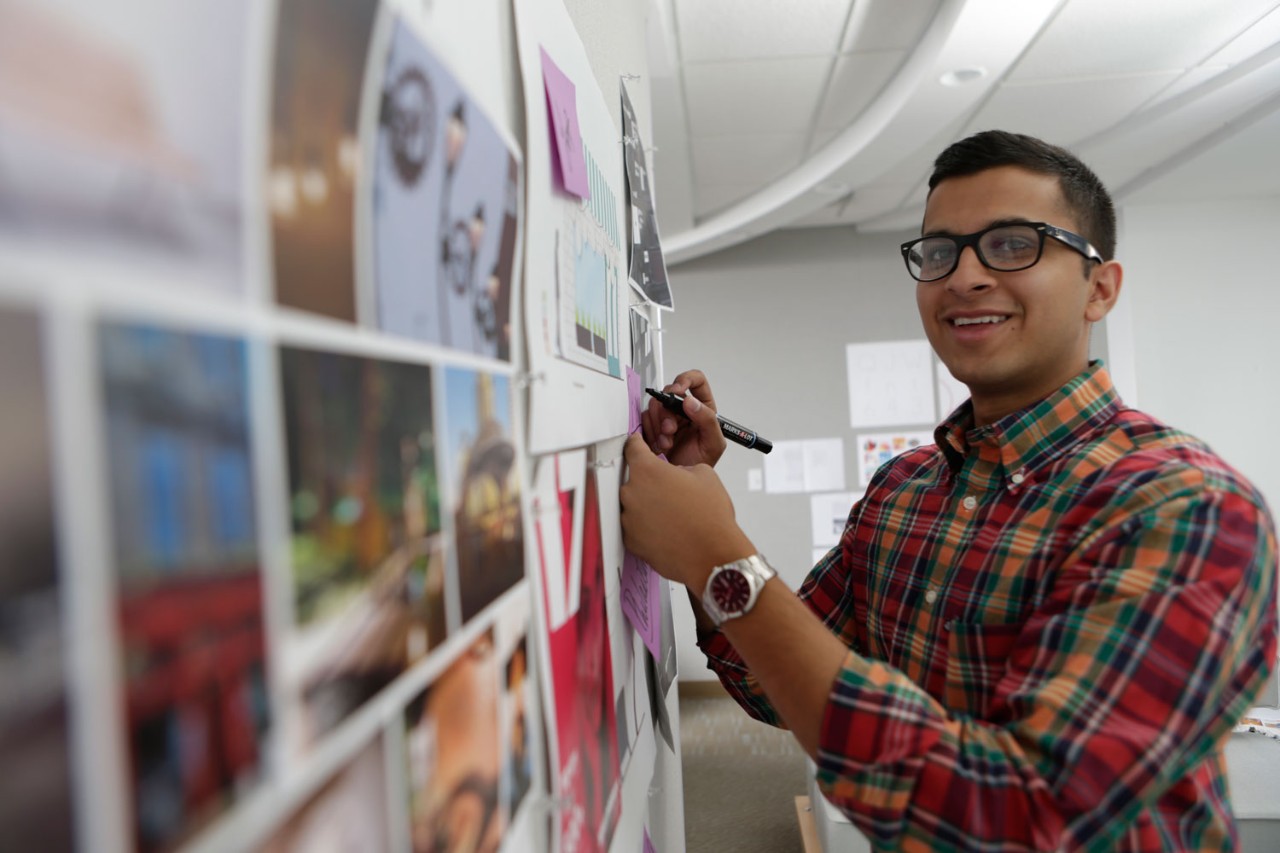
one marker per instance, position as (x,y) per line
(121,131)
(368,557)
(446,202)
(454,757)
(483,486)
(321,50)
(35,787)
(187,572)
(347,815)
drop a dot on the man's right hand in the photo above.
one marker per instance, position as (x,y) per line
(690,440)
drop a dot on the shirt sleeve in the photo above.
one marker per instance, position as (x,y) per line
(823,590)
(1157,632)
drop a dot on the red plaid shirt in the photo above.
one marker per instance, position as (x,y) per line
(1054,621)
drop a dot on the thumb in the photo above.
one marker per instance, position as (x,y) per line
(700,414)
(637,453)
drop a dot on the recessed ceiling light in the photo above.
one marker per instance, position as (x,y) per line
(960,76)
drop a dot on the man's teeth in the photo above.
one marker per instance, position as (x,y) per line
(969,321)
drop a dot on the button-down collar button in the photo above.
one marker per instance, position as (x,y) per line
(1018,477)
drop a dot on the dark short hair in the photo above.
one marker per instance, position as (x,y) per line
(1083,192)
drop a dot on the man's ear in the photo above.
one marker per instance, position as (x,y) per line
(1104,290)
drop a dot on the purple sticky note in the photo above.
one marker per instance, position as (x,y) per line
(642,601)
(648,843)
(568,165)
(635,400)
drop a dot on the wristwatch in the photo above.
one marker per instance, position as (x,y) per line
(733,588)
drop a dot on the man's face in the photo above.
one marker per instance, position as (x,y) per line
(1040,338)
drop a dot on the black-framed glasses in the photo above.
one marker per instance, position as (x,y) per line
(1004,248)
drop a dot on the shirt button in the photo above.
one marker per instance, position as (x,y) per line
(1018,477)
(931,595)
(970,502)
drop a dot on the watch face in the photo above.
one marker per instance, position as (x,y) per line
(731,591)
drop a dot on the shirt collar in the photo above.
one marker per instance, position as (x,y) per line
(1029,438)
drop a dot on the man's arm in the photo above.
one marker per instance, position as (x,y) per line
(1158,633)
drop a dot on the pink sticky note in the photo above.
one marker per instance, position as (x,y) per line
(642,601)
(648,843)
(568,166)
(635,399)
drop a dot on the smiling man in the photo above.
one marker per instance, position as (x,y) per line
(1035,634)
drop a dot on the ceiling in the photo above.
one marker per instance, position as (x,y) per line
(805,113)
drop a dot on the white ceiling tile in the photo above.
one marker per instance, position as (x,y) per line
(712,198)
(745,159)
(1257,38)
(858,78)
(1186,82)
(1120,157)
(1091,37)
(715,30)
(1063,112)
(769,96)
(891,25)
(1240,167)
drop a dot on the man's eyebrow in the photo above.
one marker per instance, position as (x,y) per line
(995,223)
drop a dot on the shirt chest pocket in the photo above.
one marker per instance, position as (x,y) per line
(977,658)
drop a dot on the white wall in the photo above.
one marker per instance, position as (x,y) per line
(768,322)
(1204,295)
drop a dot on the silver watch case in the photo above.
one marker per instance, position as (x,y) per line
(732,589)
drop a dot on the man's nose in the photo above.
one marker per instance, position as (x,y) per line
(970,273)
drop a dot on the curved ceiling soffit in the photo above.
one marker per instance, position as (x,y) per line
(770,206)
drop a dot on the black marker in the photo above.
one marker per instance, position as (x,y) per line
(734,432)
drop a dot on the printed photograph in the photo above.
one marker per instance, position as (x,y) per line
(189,584)
(367,553)
(347,815)
(321,51)
(445,208)
(35,787)
(121,131)
(483,486)
(454,758)
(644,359)
(648,269)
(587,769)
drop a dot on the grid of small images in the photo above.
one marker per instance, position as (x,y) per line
(252,629)
(304,483)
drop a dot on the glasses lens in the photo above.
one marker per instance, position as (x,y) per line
(1013,247)
(932,258)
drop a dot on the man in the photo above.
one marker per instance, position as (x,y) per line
(1035,635)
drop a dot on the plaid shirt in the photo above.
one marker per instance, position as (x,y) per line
(1054,621)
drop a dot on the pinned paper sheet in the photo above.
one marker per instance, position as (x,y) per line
(812,465)
(642,602)
(830,513)
(568,165)
(875,449)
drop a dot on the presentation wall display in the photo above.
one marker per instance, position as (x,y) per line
(575,257)
(316,383)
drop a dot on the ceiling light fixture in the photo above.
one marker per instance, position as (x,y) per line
(961,76)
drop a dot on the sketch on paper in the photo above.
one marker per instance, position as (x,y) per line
(446,205)
(588,276)
(188,572)
(875,449)
(368,555)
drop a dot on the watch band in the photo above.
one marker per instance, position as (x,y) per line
(733,588)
